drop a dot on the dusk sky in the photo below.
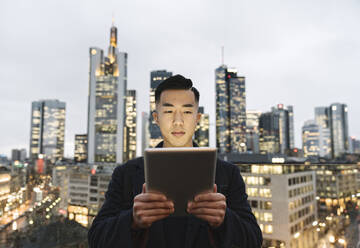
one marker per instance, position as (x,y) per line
(301,53)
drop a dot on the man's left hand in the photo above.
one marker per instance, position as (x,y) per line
(210,207)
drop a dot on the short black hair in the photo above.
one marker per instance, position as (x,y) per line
(177,82)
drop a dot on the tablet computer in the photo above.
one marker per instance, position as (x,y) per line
(180,173)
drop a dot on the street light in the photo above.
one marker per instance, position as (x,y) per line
(343,242)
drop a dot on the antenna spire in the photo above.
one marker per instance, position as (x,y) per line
(222,55)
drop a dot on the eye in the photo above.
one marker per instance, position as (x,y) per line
(188,112)
(167,111)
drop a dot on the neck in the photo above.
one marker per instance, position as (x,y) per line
(167,144)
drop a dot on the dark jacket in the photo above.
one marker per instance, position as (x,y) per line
(111,227)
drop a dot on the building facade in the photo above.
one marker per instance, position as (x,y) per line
(130,126)
(47,129)
(230,111)
(338,119)
(202,129)
(156,77)
(283,200)
(80,154)
(269,133)
(311,139)
(106,107)
(252,131)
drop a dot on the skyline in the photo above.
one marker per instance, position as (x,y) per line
(304,57)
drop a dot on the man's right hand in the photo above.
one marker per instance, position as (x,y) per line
(150,207)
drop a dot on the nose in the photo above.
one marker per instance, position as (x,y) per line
(178,118)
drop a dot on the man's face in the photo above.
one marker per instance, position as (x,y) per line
(177,116)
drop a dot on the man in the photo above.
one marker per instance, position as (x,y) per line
(132,217)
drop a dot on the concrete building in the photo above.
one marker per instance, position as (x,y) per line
(336,184)
(283,199)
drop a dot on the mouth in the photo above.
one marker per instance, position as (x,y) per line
(178,133)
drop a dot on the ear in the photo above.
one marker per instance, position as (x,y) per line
(155,116)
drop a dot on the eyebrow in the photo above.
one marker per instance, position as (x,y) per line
(189,105)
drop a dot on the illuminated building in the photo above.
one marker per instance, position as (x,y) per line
(47,130)
(336,184)
(252,130)
(282,196)
(5,178)
(290,109)
(284,127)
(321,118)
(145,134)
(130,126)
(156,77)
(354,145)
(311,139)
(106,107)
(86,192)
(80,154)
(202,129)
(274,130)
(18,154)
(338,120)
(269,133)
(230,111)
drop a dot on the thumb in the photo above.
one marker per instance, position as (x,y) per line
(144,188)
(215,188)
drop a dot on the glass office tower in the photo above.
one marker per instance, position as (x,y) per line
(47,129)
(156,77)
(106,108)
(230,111)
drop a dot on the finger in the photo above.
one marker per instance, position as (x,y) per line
(149,197)
(210,197)
(154,212)
(215,188)
(206,211)
(208,204)
(139,205)
(144,188)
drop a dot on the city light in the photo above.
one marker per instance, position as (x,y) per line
(331,239)
(296,235)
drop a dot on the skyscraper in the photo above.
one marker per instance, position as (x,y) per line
(311,139)
(338,120)
(230,111)
(80,154)
(252,130)
(334,122)
(202,129)
(106,108)
(156,77)
(145,135)
(284,127)
(290,109)
(269,133)
(130,126)
(322,120)
(47,129)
